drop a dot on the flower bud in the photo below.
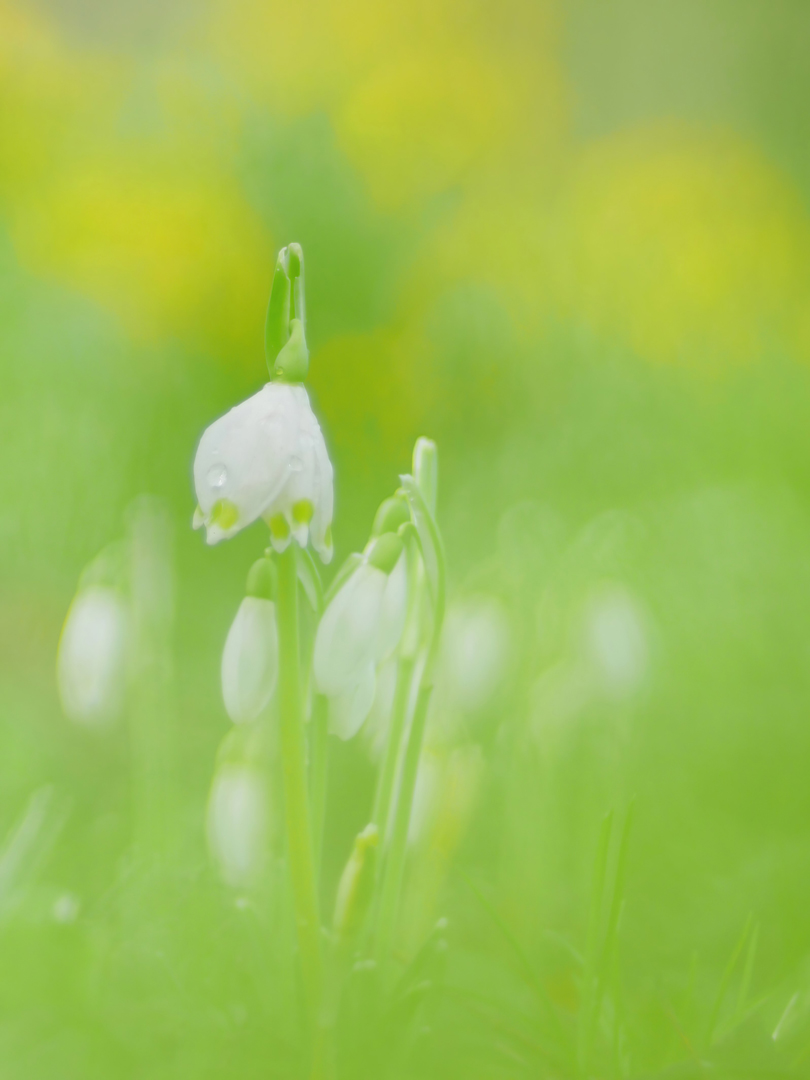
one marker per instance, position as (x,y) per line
(285,327)
(426,470)
(250,659)
(346,638)
(356,884)
(91,657)
(236,823)
(349,709)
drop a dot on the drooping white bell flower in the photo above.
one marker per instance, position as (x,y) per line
(236,823)
(91,657)
(361,625)
(250,659)
(266,458)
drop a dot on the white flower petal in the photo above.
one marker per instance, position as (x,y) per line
(262,459)
(346,639)
(348,710)
(250,659)
(393,609)
(91,658)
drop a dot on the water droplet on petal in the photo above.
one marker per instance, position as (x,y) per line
(296,464)
(217,475)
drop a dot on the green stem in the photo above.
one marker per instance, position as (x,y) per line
(395,859)
(318,773)
(296,805)
(399,713)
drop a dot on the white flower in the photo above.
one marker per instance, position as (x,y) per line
(266,458)
(237,823)
(91,658)
(360,627)
(250,659)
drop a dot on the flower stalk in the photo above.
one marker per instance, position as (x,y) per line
(296,804)
(421,495)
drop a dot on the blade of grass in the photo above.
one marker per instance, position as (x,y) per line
(748,970)
(524,964)
(725,980)
(614,914)
(592,935)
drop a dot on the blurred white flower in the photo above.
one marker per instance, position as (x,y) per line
(475,653)
(266,458)
(360,627)
(91,657)
(237,824)
(250,659)
(66,908)
(616,641)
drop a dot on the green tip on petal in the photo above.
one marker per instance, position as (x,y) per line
(224,514)
(302,512)
(279,527)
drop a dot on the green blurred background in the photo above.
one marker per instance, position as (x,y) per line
(569,241)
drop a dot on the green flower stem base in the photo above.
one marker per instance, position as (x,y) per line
(319,747)
(399,712)
(395,860)
(296,804)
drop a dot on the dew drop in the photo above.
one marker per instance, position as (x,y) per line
(217,475)
(296,464)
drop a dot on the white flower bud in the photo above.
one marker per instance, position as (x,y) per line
(91,658)
(393,609)
(348,710)
(346,641)
(250,659)
(266,458)
(361,626)
(237,823)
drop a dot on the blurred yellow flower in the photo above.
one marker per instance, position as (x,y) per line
(121,184)
(688,248)
(692,248)
(418,93)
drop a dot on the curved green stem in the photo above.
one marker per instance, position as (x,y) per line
(395,859)
(399,714)
(296,805)
(432,549)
